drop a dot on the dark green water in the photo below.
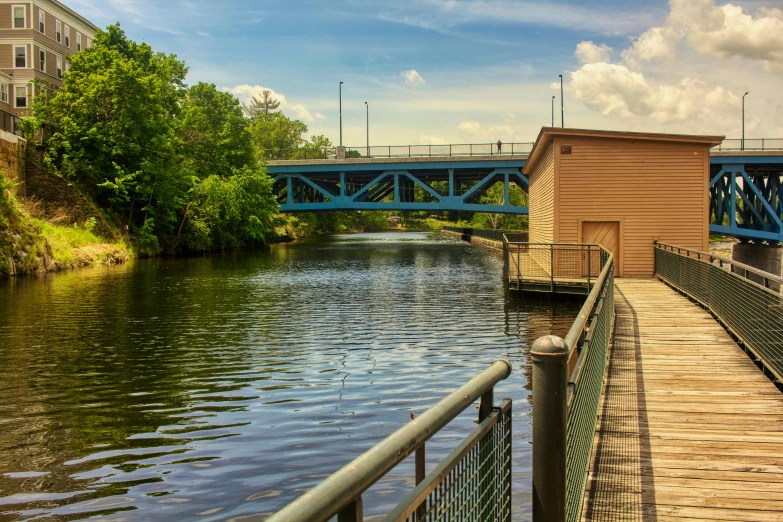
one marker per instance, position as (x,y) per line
(223,387)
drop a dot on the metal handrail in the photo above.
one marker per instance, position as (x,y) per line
(346,486)
(576,334)
(422,150)
(767,276)
(750,144)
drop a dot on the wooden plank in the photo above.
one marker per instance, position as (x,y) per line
(689,428)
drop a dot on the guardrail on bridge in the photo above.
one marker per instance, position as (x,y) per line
(472,483)
(404,151)
(746,301)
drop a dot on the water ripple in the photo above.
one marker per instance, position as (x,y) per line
(222,387)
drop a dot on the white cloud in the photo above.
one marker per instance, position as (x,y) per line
(614,90)
(588,52)
(426,139)
(319,116)
(509,117)
(722,31)
(412,78)
(469,129)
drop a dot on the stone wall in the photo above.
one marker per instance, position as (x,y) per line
(767,258)
(497,246)
(12,153)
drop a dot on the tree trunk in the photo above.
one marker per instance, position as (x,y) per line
(130,215)
(182,224)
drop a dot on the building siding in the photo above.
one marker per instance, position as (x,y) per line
(655,190)
(542,199)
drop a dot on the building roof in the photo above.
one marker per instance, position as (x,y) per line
(548,134)
(59,5)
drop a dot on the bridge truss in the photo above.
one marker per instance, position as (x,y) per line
(746,197)
(421,186)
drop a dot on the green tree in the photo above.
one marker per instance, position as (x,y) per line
(214,133)
(116,136)
(278,137)
(266,107)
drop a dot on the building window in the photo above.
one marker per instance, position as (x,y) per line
(67,65)
(20,57)
(41,21)
(20,92)
(59,31)
(78,41)
(59,68)
(89,43)
(4,92)
(43,61)
(67,37)
(20,16)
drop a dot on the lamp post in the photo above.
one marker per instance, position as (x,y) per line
(368,128)
(341,114)
(562,105)
(743,121)
(553,110)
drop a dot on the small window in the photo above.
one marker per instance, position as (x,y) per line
(4,92)
(20,57)
(59,34)
(78,41)
(89,43)
(43,61)
(67,32)
(59,68)
(20,92)
(41,21)
(20,16)
(67,65)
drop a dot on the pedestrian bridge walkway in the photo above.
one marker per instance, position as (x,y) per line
(688,428)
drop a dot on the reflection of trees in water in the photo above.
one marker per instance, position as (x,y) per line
(531,317)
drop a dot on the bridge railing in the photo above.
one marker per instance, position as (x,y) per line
(754,144)
(747,301)
(567,385)
(403,151)
(472,483)
(498,235)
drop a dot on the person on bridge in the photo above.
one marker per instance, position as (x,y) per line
(500,147)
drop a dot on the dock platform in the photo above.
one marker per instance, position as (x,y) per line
(689,428)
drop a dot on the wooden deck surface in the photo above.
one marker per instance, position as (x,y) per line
(689,428)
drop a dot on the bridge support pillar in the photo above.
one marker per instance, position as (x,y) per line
(768,258)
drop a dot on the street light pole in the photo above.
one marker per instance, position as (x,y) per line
(553,110)
(743,121)
(368,128)
(341,114)
(562,104)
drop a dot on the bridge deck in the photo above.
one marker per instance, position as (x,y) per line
(689,427)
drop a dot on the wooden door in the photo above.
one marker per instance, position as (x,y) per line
(606,234)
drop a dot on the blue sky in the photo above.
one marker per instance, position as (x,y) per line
(478,70)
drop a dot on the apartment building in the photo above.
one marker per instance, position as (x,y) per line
(36,39)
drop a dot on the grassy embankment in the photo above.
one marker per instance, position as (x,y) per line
(29,244)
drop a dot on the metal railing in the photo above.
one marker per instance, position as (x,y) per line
(553,267)
(498,235)
(755,144)
(472,483)
(404,151)
(10,123)
(568,377)
(747,301)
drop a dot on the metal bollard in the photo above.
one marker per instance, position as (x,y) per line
(550,387)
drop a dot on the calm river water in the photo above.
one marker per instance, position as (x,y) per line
(223,387)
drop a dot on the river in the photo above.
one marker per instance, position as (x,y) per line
(223,387)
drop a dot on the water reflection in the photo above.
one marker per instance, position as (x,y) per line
(223,387)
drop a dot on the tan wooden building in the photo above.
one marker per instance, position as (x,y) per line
(622,190)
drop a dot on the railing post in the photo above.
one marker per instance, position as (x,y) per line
(588,269)
(550,383)
(552,267)
(449,149)
(353,512)
(409,151)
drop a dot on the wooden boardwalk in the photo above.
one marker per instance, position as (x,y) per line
(689,428)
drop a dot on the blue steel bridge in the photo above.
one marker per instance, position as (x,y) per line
(746,186)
